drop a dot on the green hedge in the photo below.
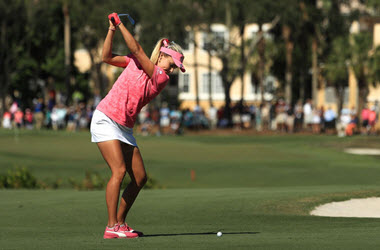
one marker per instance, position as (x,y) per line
(21,177)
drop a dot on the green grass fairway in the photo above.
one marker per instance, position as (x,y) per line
(179,219)
(257,190)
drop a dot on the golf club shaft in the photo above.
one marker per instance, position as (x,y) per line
(129,17)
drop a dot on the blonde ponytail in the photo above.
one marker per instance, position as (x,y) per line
(156,51)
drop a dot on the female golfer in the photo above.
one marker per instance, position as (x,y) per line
(111,127)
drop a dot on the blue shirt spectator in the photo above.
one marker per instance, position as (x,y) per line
(329,115)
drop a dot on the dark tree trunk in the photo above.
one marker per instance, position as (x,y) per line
(4,71)
(67,41)
(243,60)
(3,91)
(97,74)
(196,70)
(261,50)
(227,87)
(314,82)
(227,108)
(209,53)
(339,95)
(289,56)
(363,93)
(209,78)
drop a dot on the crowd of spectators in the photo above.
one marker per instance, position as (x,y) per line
(305,117)
(48,115)
(268,116)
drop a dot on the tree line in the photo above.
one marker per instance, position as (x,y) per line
(311,43)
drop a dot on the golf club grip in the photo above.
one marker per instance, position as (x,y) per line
(113,20)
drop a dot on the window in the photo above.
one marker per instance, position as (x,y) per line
(266,28)
(205,84)
(184,83)
(331,98)
(254,84)
(330,95)
(252,31)
(253,36)
(217,39)
(270,84)
(268,36)
(346,95)
(216,84)
(187,43)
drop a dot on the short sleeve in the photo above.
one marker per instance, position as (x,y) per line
(159,78)
(127,60)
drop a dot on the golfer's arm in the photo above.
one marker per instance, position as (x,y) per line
(107,55)
(137,51)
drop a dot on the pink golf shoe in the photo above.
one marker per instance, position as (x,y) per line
(129,232)
(114,232)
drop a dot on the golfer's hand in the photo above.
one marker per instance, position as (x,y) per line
(112,27)
(114,18)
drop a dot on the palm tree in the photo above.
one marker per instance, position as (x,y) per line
(360,45)
(197,13)
(286,31)
(335,69)
(67,42)
(374,65)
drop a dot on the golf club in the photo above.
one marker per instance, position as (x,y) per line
(129,17)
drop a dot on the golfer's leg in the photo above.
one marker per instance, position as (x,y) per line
(136,170)
(113,155)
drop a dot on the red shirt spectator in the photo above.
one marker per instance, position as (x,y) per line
(18,118)
(372,117)
(365,114)
(28,116)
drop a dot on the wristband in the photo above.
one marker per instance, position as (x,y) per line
(112,29)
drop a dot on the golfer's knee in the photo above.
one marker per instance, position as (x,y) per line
(141,180)
(118,174)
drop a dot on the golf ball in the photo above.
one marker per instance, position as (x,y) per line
(219,234)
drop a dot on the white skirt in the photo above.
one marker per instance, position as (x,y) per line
(104,128)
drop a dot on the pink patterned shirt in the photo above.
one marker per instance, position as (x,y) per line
(132,91)
(365,114)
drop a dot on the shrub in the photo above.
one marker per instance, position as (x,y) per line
(18,178)
(22,178)
(95,181)
(150,184)
(92,181)
(50,184)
